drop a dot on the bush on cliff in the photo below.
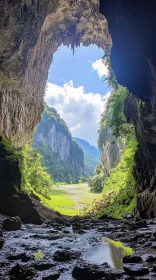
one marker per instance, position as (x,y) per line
(95,183)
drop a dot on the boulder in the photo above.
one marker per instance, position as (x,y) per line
(66,255)
(136,269)
(12,223)
(26,258)
(53,276)
(149,257)
(22,272)
(16,256)
(30,209)
(87,271)
(132,259)
(43,265)
(1,242)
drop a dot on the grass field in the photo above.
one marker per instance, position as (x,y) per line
(70,199)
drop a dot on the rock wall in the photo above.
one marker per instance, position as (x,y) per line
(49,134)
(110,154)
(30,32)
(53,140)
(109,145)
(132,26)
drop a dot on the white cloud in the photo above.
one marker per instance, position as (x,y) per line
(75,127)
(81,111)
(100,67)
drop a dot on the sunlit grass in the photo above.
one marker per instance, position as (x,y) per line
(127,251)
(69,200)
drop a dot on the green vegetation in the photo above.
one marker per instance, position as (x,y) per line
(110,78)
(38,255)
(69,200)
(59,170)
(34,176)
(127,251)
(91,156)
(118,251)
(117,187)
(11,153)
(96,182)
(118,121)
(9,169)
(53,130)
(90,164)
(114,118)
(118,195)
(52,115)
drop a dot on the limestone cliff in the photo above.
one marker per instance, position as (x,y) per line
(62,156)
(108,144)
(30,33)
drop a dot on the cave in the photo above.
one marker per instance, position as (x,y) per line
(31,31)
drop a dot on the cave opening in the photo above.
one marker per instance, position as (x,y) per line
(31,32)
(76,95)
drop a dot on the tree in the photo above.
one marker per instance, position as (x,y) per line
(34,175)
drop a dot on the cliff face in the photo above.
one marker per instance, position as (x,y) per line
(91,156)
(30,32)
(109,145)
(51,134)
(132,26)
(110,154)
(54,141)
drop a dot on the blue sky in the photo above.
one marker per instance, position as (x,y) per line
(77,90)
(78,68)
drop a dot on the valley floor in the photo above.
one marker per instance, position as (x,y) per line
(71,199)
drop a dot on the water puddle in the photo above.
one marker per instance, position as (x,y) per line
(99,250)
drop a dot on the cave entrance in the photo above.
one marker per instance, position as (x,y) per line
(77,89)
(66,137)
(26,58)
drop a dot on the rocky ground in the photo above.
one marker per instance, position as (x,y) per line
(59,249)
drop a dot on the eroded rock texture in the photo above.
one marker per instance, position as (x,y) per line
(30,32)
(132,26)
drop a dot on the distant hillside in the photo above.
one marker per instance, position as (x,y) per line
(91,156)
(63,157)
(92,150)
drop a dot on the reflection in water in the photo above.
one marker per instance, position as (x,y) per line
(117,252)
(108,251)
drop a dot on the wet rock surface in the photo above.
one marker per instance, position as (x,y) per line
(66,255)
(136,269)
(87,271)
(59,250)
(53,276)
(13,223)
(132,259)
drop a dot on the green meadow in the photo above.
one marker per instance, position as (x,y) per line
(70,200)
